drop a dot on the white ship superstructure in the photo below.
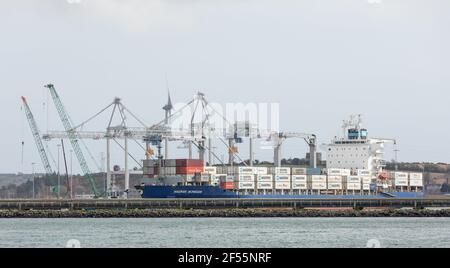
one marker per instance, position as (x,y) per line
(356,150)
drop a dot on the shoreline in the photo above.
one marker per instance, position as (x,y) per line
(222,213)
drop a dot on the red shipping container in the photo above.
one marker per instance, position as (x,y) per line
(227,185)
(189,170)
(189,163)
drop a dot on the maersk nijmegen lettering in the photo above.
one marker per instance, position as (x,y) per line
(187,192)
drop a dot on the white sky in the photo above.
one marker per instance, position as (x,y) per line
(320,59)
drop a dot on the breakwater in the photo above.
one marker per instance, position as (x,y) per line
(217,213)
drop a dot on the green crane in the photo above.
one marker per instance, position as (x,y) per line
(64,116)
(37,137)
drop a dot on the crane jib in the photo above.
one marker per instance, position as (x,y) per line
(72,137)
(37,137)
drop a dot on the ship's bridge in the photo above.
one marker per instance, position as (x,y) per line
(355,150)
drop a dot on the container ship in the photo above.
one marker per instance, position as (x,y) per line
(354,169)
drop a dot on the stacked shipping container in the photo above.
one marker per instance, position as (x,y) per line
(275,178)
(264,182)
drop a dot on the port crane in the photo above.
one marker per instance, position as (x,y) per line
(164,131)
(207,111)
(72,137)
(37,137)
(153,135)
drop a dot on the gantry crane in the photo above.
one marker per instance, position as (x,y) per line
(72,137)
(37,137)
(151,135)
(163,131)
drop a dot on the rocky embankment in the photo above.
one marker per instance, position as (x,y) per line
(226,213)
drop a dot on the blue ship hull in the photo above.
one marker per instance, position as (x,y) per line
(216,192)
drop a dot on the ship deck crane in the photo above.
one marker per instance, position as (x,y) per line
(37,137)
(72,137)
(388,140)
(279,139)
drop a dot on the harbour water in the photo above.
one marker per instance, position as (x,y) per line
(226,232)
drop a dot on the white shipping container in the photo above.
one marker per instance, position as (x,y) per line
(246,170)
(334,179)
(338,172)
(261,171)
(366,180)
(284,178)
(282,185)
(319,178)
(319,186)
(299,185)
(282,171)
(415,176)
(353,179)
(353,186)
(298,171)
(366,187)
(334,172)
(205,177)
(299,178)
(188,178)
(265,185)
(416,183)
(247,178)
(265,178)
(364,172)
(202,178)
(246,185)
(335,186)
(399,175)
(401,182)
(210,170)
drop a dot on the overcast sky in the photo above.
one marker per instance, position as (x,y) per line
(321,60)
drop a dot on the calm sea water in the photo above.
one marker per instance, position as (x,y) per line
(229,233)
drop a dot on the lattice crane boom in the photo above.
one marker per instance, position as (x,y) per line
(72,137)
(37,137)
